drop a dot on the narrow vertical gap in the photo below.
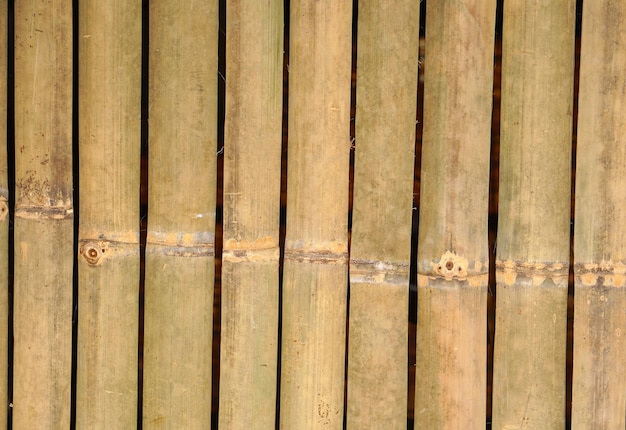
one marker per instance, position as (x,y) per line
(283,199)
(419,117)
(219,215)
(494,177)
(353,79)
(143,199)
(11,184)
(76,213)
(569,353)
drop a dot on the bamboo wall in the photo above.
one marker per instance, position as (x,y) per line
(307,214)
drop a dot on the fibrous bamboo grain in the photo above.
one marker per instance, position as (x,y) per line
(452,245)
(252,168)
(315,266)
(108,262)
(387,60)
(532,256)
(180,244)
(44,215)
(599,373)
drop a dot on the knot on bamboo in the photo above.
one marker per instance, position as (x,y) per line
(605,273)
(4,209)
(93,252)
(451,266)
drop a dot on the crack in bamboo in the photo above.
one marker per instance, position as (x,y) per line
(538,272)
(378,272)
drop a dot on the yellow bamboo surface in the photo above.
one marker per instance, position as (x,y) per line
(533,220)
(180,257)
(315,268)
(599,375)
(452,245)
(44,218)
(4,214)
(252,145)
(387,60)
(109,160)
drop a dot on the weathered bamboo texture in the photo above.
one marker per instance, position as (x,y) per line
(387,59)
(44,218)
(315,263)
(599,375)
(534,210)
(252,152)
(4,214)
(109,160)
(452,245)
(180,252)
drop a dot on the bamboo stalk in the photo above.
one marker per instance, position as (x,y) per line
(534,208)
(387,59)
(599,375)
(452,245)
(252,135)
(315,262)
(44,219)
(108,270)
(4,215)
(180,256)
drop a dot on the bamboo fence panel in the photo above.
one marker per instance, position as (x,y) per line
(4,214)
(534,209)
(387,59)
(252,169)
(452,245)
(180,253)
(599,374)
(109,161)
(315,263)
(44,219)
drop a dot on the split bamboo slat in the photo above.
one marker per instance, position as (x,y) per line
(252,168)
(599,374)
(315,264)
(44,218)
(180,250)
(4,214)
(452,251)
(108,261)
(532,255)
(387,60)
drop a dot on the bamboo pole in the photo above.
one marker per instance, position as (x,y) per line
(108,264)
(44,219)
(599,375)
(4,215)
(534,209)
(315,262)
(387,58)
(252,153)
(452,245)
(180,256)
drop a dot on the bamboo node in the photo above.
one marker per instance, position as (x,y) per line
(605,273)
(93,252)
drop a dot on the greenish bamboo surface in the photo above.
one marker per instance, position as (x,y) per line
(180,256)
(534,214)
(44,218)
(315,264)
(4,214)
(108,264)
(252,168)
(387,62)
(452,245)
(599,374)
